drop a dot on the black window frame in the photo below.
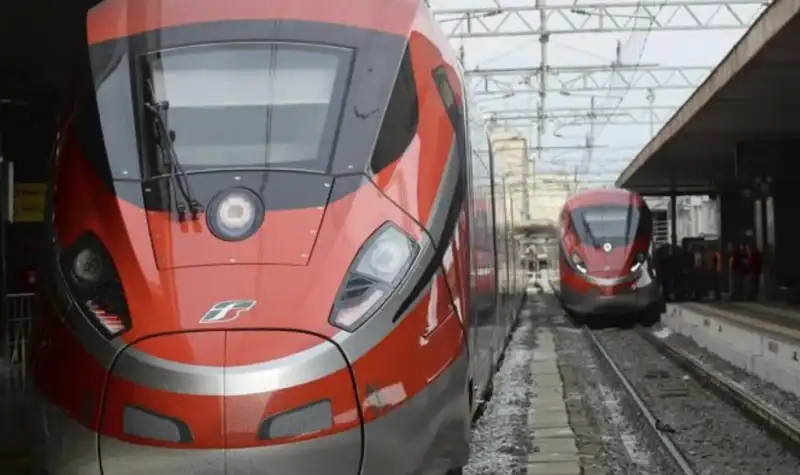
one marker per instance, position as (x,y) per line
(392,141)
(644,223)
(374,68)
(322,164)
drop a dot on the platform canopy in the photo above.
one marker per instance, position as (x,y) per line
(753,94)
(40,41)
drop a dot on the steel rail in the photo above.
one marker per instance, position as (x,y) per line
(674,452)
(752,406)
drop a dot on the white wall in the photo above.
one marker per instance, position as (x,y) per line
(698,217)
(547,193)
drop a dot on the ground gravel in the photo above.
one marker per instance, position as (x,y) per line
(500,440)
(714,436)
(781,400)
(627,444)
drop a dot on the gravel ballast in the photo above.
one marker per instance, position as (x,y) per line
(781,400)
(714,436)
(627,445)
(500,440)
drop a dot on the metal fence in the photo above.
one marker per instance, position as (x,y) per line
(13,364)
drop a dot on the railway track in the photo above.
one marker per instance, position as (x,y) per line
(763,415)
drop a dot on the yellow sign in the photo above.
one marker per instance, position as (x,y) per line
(29,202)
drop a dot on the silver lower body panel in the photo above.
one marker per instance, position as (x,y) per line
(427,434)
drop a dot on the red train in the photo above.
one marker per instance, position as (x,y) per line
(606,270)
(273,246)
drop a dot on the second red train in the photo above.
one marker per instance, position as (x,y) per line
(606,273)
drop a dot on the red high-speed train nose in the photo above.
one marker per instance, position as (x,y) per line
(605,264)
(275,246)
(219,397)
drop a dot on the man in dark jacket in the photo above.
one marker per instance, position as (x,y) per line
(737,270)
(664,271)
(687,274)
(753,271)
(699,274)
(715,274)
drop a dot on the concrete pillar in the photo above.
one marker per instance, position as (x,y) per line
(736,214)
(673,218)
(781,216)
(736,210)
(771,168)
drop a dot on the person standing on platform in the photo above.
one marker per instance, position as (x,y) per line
(715,274)
(699,288)
(678,276)
(686,272)
(729,250)
(664,271)
(737,271)
(753,271)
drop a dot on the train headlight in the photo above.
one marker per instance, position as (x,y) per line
(87,267)
(235,214)
(577,261)
(94,286)
(377,270)
(638,261)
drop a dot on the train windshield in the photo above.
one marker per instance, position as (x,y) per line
(246,105)
(614,224)
(259,95)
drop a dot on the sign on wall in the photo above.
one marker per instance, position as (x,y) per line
(29,202)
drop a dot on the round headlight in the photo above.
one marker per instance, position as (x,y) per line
(387,256)
(235,214)
(87,267)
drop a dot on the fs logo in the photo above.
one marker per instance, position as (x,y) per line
(227,311)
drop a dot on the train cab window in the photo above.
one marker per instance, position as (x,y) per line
(245,105)
(614,224)
(443,85)
(104,118)
(448,96)
(400,120)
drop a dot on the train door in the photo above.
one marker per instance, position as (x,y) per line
(495,263)
(459,114)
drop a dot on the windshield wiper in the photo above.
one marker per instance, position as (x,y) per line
(176,173)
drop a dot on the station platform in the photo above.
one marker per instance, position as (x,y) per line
(12,438)
(761,338)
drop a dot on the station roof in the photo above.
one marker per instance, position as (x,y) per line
(753,94)
(39,43)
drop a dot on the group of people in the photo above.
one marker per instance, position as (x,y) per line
(695,274)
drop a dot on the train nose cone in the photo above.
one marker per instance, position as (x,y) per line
(227,402)
(606,263)
(277,225)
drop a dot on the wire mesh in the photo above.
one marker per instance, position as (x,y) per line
(21,309)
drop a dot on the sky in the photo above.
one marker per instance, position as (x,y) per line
(618,144)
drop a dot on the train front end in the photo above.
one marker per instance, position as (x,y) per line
(243,276)
(606,266)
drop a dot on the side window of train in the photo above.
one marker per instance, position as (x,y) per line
(454,110)
(401,119)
